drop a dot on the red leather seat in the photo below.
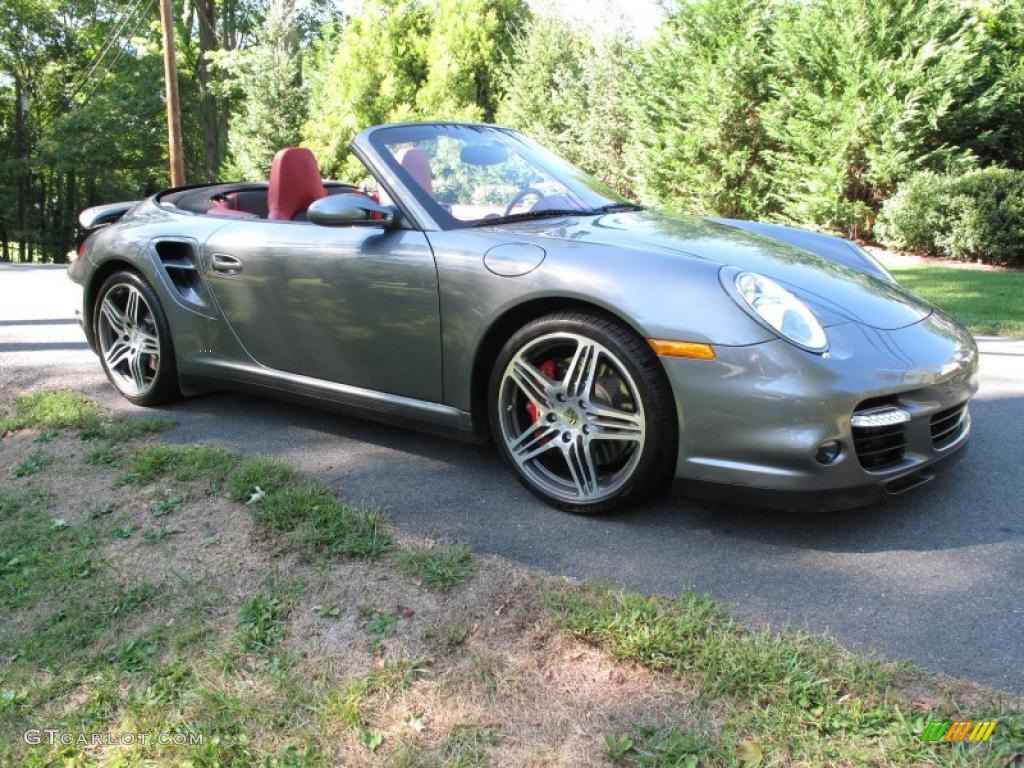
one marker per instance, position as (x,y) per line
(295,183)
(417,162)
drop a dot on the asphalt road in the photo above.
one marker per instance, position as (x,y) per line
(935,577)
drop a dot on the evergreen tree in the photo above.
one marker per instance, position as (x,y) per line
(266,79)
(865,93)
(570,93)
(368,73)
(467,43)
(699,138)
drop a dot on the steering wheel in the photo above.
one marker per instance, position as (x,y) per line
(521,195)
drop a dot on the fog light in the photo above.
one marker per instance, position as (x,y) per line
(828,452)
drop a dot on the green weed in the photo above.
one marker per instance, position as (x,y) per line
(36,462)
(120,429)
(268,475)
(438,568)
(51,410)
(166,506)
(319,522)
(182,463)
(355,705)
(103,456)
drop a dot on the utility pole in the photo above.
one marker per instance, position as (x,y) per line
(173,105)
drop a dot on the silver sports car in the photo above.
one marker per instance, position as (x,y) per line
(476,284)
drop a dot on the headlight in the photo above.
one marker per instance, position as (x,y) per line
(782,311)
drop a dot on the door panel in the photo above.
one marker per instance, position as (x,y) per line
(353,305)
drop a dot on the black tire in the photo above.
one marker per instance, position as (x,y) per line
(163,387)
(657,456)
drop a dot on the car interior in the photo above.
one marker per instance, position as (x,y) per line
(478,169)
(295,184)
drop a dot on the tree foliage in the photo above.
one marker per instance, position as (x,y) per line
(467,42)
(403,60)
(866,92)
(266,82)
(368,73)
(808,111)
(571,92)
(700,139)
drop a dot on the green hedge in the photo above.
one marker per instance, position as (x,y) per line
(976,216)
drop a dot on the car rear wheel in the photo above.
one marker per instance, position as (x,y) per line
(134,340)
(581,410)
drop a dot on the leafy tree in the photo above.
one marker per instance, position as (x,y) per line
(81,104)
(1000,138)
(266,82)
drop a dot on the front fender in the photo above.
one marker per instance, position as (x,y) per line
(660,295)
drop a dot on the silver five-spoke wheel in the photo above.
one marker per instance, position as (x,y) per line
(571,417)
(129,339)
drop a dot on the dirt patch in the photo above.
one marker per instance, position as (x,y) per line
(489,654)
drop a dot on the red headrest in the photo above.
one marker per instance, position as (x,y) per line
(294,183)
(417,162)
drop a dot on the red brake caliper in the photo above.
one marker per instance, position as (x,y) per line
(548,369)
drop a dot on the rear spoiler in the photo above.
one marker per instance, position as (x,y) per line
(101,215)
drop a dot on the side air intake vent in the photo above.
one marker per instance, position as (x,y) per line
(179,260)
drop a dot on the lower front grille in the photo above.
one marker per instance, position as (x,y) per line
(880,447)
(879,442)
(948,425)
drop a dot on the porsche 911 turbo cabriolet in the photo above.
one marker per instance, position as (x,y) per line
(478,285)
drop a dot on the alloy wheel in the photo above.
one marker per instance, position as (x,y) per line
(571,417)
(129,339)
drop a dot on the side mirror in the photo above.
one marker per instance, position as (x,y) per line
(347,210)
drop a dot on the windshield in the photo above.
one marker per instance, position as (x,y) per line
(470,175)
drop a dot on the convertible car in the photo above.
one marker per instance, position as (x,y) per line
(476,284)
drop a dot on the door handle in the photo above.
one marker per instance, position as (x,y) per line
(226,265)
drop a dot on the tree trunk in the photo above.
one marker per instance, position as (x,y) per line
(72,206)
(209,119)
(60,219)
(44,233)
(20,154)
(90,188)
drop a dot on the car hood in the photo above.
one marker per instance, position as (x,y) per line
(836,293)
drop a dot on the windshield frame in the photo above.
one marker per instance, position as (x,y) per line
(378,138)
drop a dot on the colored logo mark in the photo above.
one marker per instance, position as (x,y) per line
(958,730)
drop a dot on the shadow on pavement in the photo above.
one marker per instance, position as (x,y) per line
(960,508)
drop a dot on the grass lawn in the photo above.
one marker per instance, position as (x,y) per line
(242,614)
(986,302)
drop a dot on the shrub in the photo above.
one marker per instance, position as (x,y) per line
(910,219)
(977,216)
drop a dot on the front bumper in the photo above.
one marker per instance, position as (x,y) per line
(751,421)
(77,270)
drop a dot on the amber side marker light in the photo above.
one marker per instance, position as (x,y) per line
(667,348)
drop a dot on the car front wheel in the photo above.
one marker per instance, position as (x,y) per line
(134,340)
(582,411)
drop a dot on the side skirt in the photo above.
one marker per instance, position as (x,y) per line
(420,415)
